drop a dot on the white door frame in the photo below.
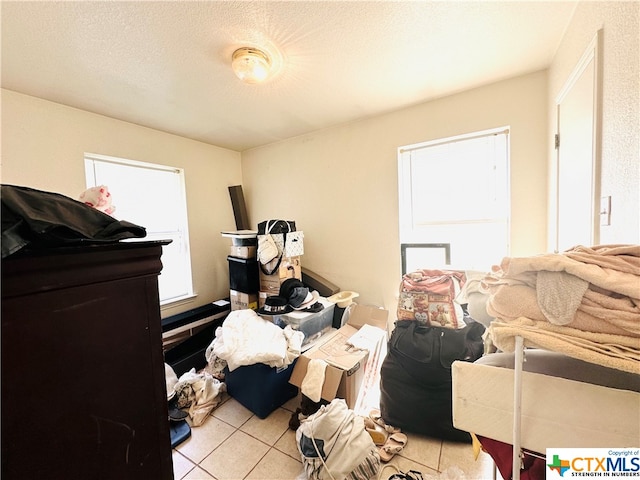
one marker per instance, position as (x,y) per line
(593,53)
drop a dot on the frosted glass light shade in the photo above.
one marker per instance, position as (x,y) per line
(250,65)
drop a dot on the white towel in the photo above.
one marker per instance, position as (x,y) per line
(559,295)
(314,379)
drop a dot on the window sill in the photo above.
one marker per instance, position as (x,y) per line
(178,301)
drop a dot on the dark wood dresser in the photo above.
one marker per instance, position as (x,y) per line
(83,382)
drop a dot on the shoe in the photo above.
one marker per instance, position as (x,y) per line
(176,415)
(378,435)
(414,475)
(394,445)
(410,475)
(377,418)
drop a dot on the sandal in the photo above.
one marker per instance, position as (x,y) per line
(410,475)
(394,444)
(377,418)
(414,475)
(378,436)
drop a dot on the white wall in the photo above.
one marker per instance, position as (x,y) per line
(43,146)
(620,24)
(341,186)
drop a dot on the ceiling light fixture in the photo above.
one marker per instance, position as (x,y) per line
(251,65)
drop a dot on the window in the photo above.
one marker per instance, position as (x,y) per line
(455,192)
(152,196)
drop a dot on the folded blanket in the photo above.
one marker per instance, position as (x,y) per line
(598,313)
(614,351)
(595,289)
(612,268)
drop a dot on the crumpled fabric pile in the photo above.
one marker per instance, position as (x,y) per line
(245,339)
(200,392)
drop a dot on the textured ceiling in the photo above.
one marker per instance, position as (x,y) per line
(166,65)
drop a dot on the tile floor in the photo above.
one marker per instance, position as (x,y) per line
(234,444)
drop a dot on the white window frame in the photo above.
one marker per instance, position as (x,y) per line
(413,232)
(178,231)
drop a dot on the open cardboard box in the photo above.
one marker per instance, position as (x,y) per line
(345,370)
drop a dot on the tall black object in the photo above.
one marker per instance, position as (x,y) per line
(239,207)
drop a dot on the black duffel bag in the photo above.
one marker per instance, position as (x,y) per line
(415,377)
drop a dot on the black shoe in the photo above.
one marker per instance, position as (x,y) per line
(175,414)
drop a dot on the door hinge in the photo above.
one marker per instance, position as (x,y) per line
(557,141)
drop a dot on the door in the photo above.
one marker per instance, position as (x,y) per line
(578,154)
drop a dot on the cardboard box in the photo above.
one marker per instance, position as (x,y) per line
(289,268)
(237,251)
(243,301)
(345,371)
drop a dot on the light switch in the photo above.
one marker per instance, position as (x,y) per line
(605,210)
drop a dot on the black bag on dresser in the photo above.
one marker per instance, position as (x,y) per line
(415,377)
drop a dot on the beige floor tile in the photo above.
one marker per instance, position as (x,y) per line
(423,450)
(181,465)
(198,474)
(287,444)
(461,455)
(270,429)
(204,439)
(235,458)
(233,413)
(276,466)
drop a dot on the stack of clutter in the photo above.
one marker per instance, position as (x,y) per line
(430,322)
(279,250)
(243,269)
(259,357)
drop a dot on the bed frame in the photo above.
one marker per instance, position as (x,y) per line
(535,411)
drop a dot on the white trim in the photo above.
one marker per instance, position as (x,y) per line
(456,138)
(593,53)
(135,163)
(180,250)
